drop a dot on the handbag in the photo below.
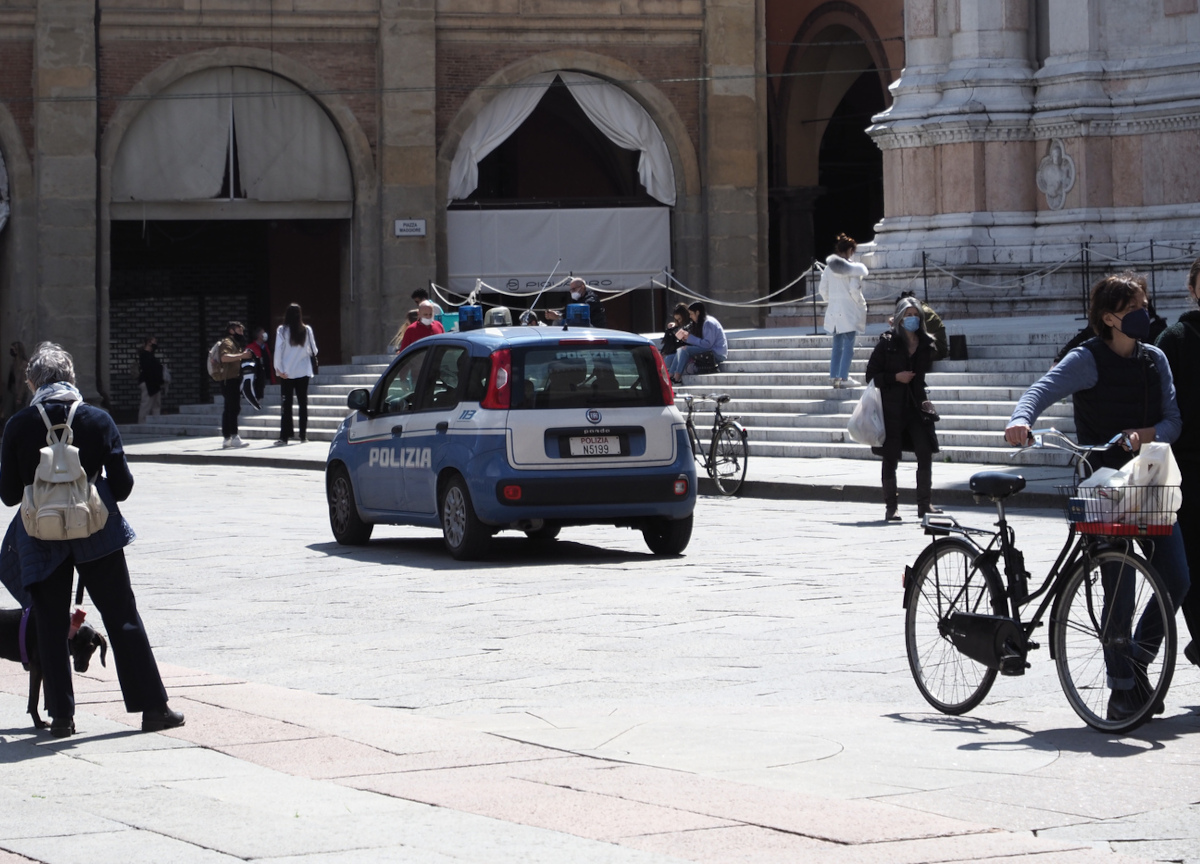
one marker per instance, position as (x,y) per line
(866,422)
(312,356)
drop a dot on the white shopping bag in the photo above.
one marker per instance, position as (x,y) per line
(866,423)
(1155,466)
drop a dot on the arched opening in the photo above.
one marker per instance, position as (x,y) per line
(231,197)
(850,171)
(559,157)
(826,174)
(565,173)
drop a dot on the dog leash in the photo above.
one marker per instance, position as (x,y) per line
(21,637)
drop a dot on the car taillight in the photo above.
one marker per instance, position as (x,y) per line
(499,389)
(512,493)
(664,378)
(681,487)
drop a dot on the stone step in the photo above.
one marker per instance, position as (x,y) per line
(740,392)
(1033,367)
(975,455)
(838,420)
(1060,412)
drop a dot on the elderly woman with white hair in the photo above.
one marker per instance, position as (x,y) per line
(897,366)
(43,569)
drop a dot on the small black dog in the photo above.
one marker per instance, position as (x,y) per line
(82,646)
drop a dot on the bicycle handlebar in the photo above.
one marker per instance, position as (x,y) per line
(1054,439)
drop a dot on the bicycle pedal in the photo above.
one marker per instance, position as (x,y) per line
(1013,666)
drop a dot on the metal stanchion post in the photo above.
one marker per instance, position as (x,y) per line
(925,274)
(812,273)
(1153,278)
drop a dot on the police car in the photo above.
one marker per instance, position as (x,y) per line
(521,428)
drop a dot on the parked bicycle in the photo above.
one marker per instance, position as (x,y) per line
(726,456)
(1111,618)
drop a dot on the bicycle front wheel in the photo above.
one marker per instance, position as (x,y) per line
(946,580)
(729,455)
(1114,627)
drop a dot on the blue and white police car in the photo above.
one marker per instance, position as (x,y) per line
(522,428)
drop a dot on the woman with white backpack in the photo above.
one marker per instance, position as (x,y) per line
(44,569)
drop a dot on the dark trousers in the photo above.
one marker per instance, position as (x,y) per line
(922,449)
(298,386)
(1189,527)
(232,391)
(107,583)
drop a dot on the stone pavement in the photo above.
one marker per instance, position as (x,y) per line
(582,703)
(767,477)
(263,773)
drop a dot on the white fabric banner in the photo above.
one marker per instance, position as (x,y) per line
(627,124)
(491,127)
(177,146)
(614,112)
(288,149)
(515,250)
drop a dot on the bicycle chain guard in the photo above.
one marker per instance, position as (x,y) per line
(993,640)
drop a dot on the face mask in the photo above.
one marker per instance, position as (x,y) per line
(428,322)
(912,323)
(1136,324)
(575,295)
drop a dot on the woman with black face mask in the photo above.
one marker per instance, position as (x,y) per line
(1118,384)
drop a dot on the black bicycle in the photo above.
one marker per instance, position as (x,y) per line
(726,456)
(1112,623)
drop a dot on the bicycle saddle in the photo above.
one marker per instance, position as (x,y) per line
(996,484)
(719,398)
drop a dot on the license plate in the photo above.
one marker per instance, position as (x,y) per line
(596,445)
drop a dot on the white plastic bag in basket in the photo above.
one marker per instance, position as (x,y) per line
(1155,465)
(1102,500)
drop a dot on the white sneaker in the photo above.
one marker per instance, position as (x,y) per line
(850,382)
(227,443)
(236,442)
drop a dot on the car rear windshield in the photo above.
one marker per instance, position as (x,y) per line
(585,376)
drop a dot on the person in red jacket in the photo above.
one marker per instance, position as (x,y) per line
(425,326)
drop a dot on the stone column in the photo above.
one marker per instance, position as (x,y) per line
(734,156)
(407,157)
(65,179)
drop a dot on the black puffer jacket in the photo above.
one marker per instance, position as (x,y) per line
(901,402)
(1181,343)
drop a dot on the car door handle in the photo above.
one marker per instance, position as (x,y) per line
(396,430)
(443,426)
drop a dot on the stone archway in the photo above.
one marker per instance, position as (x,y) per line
(687,239)
(836,54)
(358,279)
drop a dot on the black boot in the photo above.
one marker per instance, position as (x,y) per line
(891,500)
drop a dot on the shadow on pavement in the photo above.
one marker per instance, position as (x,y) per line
(505,551)
(44,745)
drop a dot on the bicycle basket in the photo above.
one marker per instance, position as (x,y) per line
(1121,511)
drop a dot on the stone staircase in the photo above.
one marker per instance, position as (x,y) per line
(779,384)
(780,389)
(326,407)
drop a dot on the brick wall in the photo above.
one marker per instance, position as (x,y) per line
(463,67)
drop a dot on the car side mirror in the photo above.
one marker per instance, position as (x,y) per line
(358,400)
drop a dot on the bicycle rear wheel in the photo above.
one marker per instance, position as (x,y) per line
(945,580)
(1114,623)
(729,457)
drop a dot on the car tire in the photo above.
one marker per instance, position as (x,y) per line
(348,528)
(667,536)
(465,536)
(545,534)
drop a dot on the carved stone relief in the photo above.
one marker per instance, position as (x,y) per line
(1056,175)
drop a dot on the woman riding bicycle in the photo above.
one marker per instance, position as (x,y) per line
(1118,384)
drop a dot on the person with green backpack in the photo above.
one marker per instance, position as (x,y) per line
(41,571)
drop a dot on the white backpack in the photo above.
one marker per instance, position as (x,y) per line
(214,360)
(61,503)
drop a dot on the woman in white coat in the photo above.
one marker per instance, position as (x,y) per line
(846,313)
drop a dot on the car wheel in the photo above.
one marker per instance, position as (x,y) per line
(667,536)
(348,528)
(547,532)
(466,537)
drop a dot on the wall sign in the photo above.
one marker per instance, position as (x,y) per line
(410,227)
